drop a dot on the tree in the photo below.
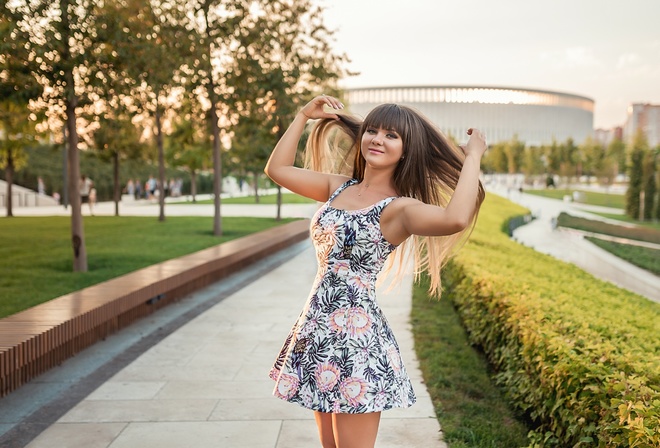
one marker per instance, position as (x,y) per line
(649,184)
(117,138)
(63,41)
(496,158)
(533,161)
(636,175)
(151,45)
(514,150)
(286,59)
(568,157)
(18,87)
(17,131)
(187,145)
(616,151)
(215,26)
(593,158)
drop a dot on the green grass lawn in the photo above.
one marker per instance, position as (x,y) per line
(591,198)
(643,257)
(471,409)
(629,220)
(36,255)
(287,198)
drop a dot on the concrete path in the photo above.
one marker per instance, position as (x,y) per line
(206,385)
(570,246)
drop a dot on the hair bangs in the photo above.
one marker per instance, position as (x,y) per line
(391,117)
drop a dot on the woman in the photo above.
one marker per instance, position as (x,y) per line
(389,182)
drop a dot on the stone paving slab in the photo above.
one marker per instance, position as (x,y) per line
(206,384)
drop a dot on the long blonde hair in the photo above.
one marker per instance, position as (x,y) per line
(428,172)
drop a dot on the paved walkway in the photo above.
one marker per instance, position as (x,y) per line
(570,246)
(205,384)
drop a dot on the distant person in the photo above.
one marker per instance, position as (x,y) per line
(84,186)
(92,199)
(130,187)
(138,189)
(41,186)
(151,187)
(394,181)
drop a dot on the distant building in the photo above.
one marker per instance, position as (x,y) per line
(645,117)
(536,117)
(606,136)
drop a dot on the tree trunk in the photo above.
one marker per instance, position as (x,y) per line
(217,165)
(161,165)
(9,177)
(115,176)
(256,187)
(193,185)
(71,102)
(77,231)
(279,204)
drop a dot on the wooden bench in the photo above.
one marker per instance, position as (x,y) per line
(39,338)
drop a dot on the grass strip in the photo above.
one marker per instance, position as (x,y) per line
(588,225)
(628,220)
(471,409)
(268,199)
(590,197)
(643,257)
(36,255)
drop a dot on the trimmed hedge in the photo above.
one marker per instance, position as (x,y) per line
(578,355)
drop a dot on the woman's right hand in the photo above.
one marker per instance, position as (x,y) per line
(476,144)
(314,109)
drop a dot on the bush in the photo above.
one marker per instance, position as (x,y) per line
(578,355)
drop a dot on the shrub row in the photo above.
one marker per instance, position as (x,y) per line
(643,257)
(579,356)
(634,233)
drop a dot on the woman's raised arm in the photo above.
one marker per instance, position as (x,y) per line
(280,167)
(417,218)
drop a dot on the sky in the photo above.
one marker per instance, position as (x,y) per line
(606,50)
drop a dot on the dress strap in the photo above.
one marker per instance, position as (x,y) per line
(341,188)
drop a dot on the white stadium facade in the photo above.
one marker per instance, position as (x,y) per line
(536,117)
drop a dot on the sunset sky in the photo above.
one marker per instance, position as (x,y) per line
(606,50)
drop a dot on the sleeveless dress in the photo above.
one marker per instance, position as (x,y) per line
(341,356)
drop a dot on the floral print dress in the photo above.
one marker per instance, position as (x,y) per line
(341,355)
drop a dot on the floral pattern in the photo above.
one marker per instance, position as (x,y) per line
(341,355)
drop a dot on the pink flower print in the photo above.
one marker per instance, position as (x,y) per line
(336,407)
(358,321)
(353,390)
(380,399)
(395,359)
(362,355)
(341,267)
(286,387)
(354,321)
(307,399)
(338,320)
(359,282)
(327,376)
(325,238)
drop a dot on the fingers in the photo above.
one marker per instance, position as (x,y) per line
(332,102)
(315,108)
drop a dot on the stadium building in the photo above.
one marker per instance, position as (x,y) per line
(534,116)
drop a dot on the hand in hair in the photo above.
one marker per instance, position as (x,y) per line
(315,108)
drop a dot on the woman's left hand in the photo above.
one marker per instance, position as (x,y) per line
(476,144)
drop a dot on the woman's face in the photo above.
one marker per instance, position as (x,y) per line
(381,147)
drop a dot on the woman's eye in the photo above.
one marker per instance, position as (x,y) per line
(371,131)
(392,135)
